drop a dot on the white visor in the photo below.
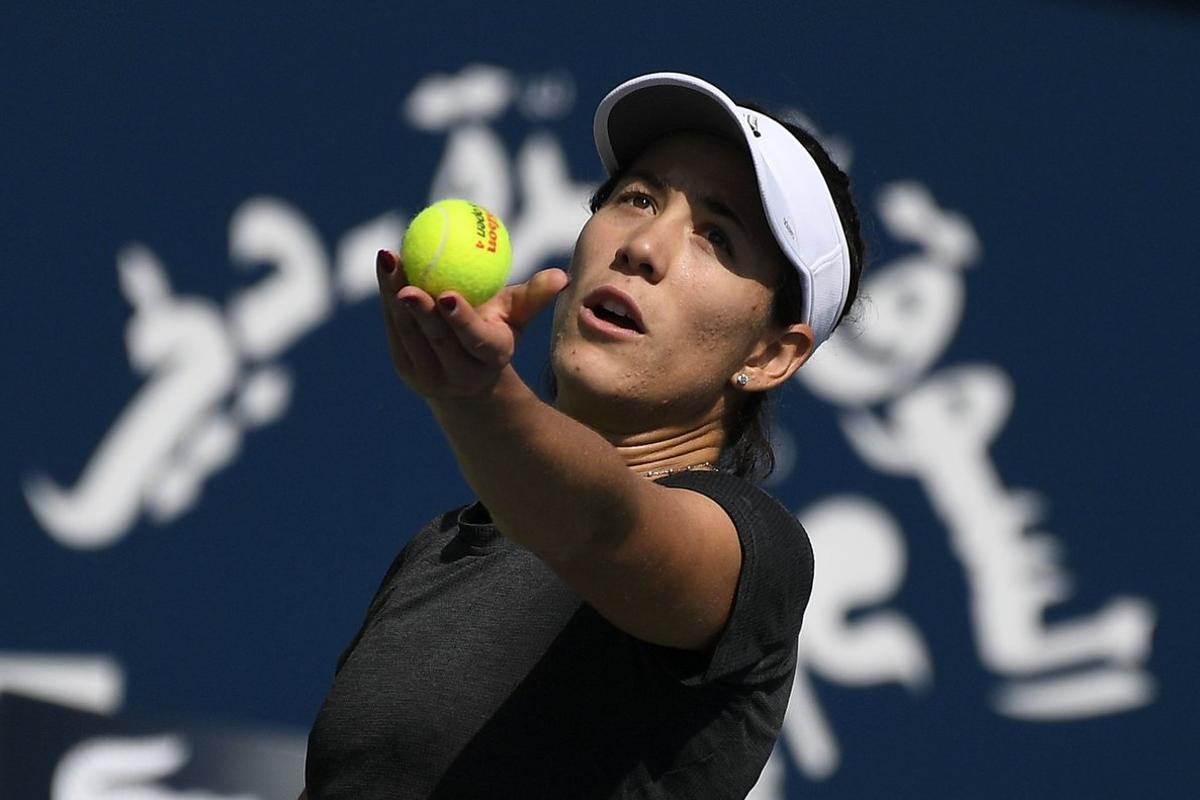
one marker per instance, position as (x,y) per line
(794,194)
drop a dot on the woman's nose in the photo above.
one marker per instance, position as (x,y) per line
(649,249)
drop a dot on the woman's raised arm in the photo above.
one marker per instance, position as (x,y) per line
(661,564)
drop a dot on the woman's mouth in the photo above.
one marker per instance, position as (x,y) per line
(610,311)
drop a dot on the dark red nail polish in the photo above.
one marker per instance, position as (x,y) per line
(448,304)
(409,301)
(385,260)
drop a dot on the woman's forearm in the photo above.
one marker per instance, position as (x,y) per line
(551,483)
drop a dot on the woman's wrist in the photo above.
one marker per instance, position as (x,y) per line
(508,387)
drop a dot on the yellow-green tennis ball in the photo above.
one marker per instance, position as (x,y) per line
(460,246)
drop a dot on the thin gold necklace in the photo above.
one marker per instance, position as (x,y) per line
(658,473)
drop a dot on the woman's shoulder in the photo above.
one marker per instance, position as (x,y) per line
(743,500)
(775,580)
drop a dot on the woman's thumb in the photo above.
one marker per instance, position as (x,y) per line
(529,298)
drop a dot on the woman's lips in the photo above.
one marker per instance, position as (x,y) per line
(588,319)
(619,313)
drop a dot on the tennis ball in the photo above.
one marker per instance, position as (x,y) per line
(460,246)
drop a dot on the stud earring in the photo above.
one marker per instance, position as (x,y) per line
(742,379)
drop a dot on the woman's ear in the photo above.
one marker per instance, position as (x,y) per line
(776,358)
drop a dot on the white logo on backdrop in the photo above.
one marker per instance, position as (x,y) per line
(87,682)
(937,428)
(121,768)
(213,373)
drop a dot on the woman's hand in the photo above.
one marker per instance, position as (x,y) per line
(443,347)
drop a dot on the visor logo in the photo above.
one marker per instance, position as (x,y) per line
(752,121)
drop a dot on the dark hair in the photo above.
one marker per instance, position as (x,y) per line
(747,451)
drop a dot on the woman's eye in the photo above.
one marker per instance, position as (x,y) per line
(717,238)
(637,199)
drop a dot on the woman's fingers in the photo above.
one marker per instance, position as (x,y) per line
(399,354)
(419,340)
(405,312)
(459,367)
(390,275)
(389,271)
(424,314)
(529,298)
(489,338)
(448,345)
(484,341)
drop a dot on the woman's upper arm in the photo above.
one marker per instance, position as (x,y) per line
(667,574)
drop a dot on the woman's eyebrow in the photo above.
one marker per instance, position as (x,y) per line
(711,203)
(650,178)
(719,207)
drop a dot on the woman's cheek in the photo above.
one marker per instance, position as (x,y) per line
(719,327)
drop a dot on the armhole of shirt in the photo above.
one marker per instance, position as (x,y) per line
(759,640)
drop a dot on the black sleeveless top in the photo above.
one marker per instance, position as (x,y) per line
(478,673)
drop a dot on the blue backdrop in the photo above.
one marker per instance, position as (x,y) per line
(208,463)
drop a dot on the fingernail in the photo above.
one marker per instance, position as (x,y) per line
(409,301)
(448,304)
(385,261)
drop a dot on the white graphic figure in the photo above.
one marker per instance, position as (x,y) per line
(93,683)
(914,305)
(940,433)
(111,768)
(938,429)
(213,375)
(181,345)
(862,558)
(202,388)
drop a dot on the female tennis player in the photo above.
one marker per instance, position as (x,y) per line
(617,615)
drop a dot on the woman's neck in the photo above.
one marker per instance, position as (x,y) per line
(671,447)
